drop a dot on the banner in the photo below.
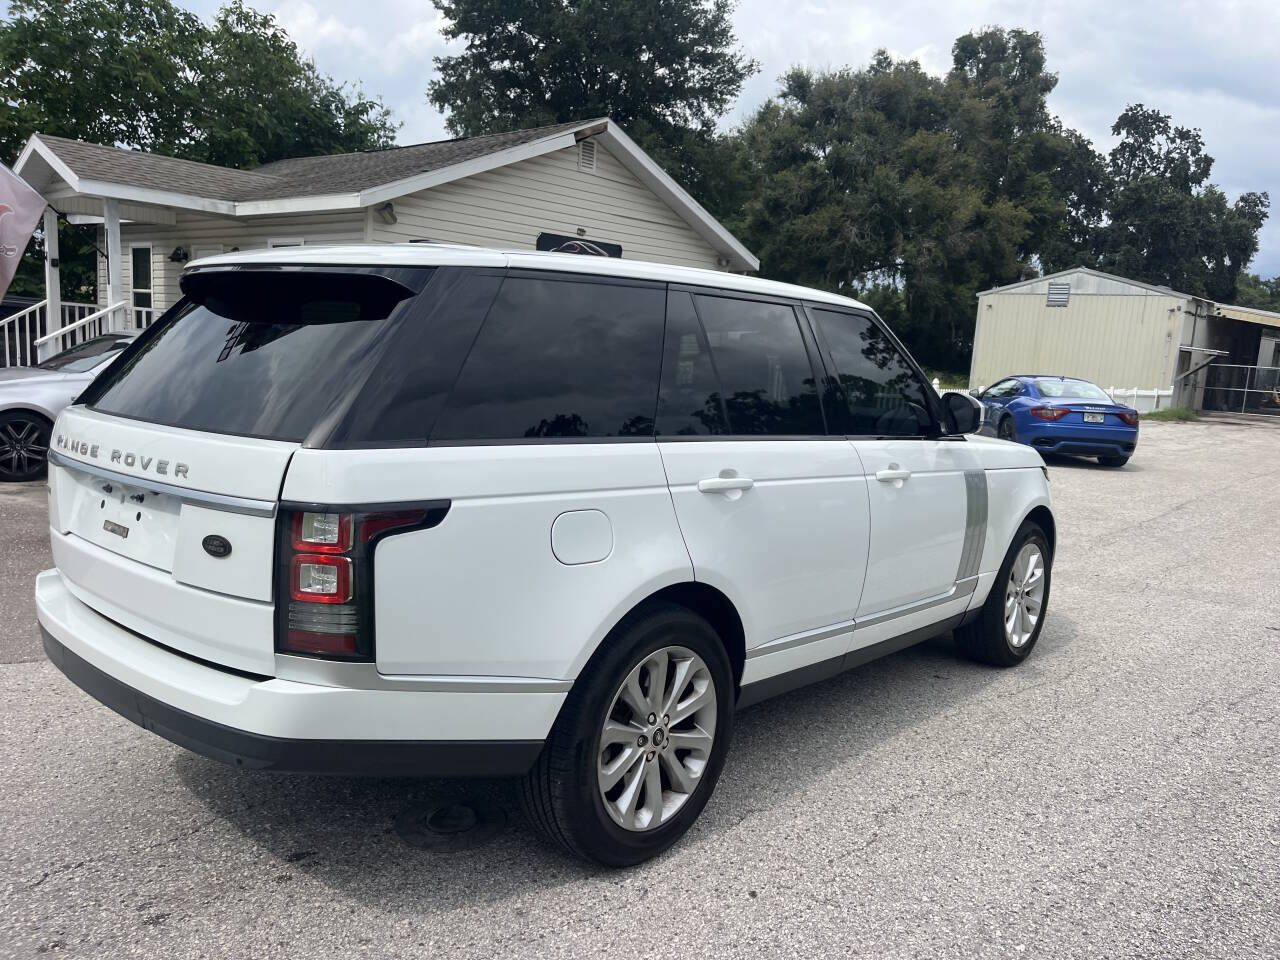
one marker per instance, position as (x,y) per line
(20,211)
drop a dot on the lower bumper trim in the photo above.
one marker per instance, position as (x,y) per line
(240,748)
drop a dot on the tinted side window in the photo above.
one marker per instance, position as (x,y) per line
(690,403)
(560,358)
(762,366)
(883,395)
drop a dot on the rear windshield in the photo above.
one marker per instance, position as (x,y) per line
(256,354)
(1071,389)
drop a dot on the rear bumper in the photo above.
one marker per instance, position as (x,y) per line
(1082,441)
(284,725)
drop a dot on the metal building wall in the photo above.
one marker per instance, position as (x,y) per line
(1115,339)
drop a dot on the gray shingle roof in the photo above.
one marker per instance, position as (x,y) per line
(297,177)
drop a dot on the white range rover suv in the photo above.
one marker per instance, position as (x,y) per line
(443,511)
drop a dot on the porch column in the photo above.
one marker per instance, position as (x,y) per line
(52,290)
(111,220)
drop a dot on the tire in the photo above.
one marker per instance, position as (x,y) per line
(24,445)
(1113,461)
(989,639)
(1005,431)
(563,795)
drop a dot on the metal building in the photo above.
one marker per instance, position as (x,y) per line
(1149,344)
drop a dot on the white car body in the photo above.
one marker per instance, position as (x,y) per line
(838,550)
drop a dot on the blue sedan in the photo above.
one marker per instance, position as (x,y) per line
(1062,415)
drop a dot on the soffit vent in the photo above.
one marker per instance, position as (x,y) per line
(1059,294)
(587,156)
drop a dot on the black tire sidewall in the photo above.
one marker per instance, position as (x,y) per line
(593,829)
(1006,422)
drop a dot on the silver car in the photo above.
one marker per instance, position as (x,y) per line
(30,398)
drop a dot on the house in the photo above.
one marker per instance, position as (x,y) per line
(1150,342)
(528,189)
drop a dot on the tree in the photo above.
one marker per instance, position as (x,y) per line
(1253,291)
(1166,224)
(258,99)
(910,191)
(148,75)
(665,70)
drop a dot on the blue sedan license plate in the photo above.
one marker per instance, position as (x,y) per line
(1095,418)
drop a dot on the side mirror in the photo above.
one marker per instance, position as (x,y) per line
(961,413)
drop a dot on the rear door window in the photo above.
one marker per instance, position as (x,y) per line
(883,395)
(560,358)
(256,353)
(749,359)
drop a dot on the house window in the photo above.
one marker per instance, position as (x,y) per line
(1059,294)
(140,282)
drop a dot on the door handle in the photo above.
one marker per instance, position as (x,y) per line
(894,474)
(725,484)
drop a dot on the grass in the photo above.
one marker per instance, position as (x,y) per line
(947,379)
(1181,414)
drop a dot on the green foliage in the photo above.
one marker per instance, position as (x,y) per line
(149,75)
(1173,414)
(1253,291)
(1166,224)
(665,70)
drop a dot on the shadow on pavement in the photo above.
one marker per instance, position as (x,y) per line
(343,831)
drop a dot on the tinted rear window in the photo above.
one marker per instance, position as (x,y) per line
(256,354)
(560,358)
(1072,390)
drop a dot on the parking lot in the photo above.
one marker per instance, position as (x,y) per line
(1118,795)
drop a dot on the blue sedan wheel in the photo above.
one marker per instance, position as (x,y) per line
(1005,430)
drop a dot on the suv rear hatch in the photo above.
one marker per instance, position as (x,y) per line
(165,477)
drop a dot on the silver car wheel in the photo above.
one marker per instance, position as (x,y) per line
(1024,595)
(657,738)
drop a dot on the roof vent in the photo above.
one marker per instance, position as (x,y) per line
(587,156)
(1059,294)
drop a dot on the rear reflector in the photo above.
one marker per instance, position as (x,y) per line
(1049,413)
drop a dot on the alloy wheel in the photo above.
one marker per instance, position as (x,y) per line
(657,738)
(1024,595)
(23,448)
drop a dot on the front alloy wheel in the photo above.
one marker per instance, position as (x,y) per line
(1024,595)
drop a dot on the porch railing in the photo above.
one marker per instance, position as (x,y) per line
(26,339)
(91,325)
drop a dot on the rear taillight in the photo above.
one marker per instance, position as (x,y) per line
(1049,413)
(324,591)
(1129,416)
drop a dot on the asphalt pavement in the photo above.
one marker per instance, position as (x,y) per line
(1118,795)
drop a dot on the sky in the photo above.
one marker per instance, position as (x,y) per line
(1213,65)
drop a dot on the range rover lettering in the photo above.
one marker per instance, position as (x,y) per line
(534,515)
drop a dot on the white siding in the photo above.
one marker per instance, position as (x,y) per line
(198,230)
(508,207)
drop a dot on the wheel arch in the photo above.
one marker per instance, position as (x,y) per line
(44,415)
(707,602)
(1042,516)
